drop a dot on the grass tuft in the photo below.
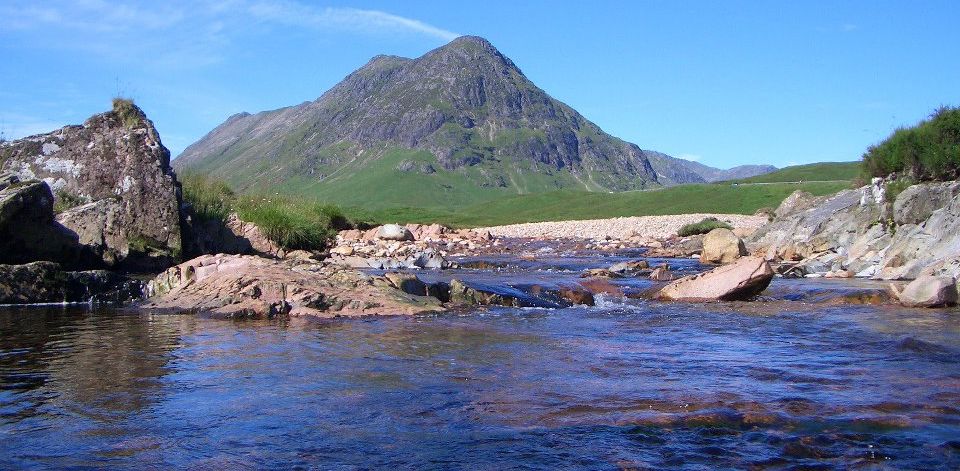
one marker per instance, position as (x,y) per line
(127,112)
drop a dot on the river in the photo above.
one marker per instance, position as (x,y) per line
(626,384)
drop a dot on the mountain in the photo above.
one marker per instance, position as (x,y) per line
(459,124)
(672,171)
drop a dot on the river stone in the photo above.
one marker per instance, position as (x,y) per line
(928,291)
(740,280)
(629,267)
(253,286)
(394,232)
(722,246)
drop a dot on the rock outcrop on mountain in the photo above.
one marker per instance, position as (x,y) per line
(861,231)
(112,182)
(462,115)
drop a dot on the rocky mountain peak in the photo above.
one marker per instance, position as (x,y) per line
(465,104)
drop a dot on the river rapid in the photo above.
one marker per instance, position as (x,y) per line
(789,382)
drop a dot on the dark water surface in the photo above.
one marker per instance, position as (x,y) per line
(628,384)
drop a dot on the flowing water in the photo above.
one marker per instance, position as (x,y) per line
(627,384)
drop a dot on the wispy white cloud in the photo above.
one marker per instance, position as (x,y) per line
(690,157)
(848,27)
(181,35)
(352,19)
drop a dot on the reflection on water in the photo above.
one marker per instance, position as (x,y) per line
(625,385)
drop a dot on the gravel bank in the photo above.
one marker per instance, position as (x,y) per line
(620,228)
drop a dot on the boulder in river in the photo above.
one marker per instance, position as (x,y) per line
(928,291)
(631,267)
(741,280)
(722,246)
(252,286)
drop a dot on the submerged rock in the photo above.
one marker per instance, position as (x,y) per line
(476,294)
(928,291)
(722,246)
(631,267)
(252,286)
(742,280)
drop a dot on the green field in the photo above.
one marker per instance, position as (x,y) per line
(569,205)
(818,172)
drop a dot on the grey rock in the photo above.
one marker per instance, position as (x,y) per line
(722,246)
(915,204)
(394,232)
(115,157)
(928,291)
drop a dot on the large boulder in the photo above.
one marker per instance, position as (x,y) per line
(28,231)
(252,286)
(722,246)
(115,159)
(741,280)
(394,232)
(928,291)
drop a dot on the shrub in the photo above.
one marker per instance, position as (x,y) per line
(928,151)
(894,188)
(702,227)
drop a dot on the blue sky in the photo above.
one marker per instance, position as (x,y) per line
(725,83)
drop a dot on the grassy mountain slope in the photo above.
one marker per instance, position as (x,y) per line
(821,171)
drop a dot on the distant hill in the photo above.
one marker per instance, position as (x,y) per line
(821,171)
(672,170)
(459,125)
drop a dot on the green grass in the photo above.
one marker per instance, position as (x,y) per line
(569,205)
(822,171)
(928,151)
(291,223)
(127,112)
(704,226)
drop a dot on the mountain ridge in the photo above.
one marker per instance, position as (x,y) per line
(459,124)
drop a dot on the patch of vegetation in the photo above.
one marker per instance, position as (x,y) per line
(928,151)
(65,201)
(127,112)
(291,223)
(569,205)
(211,199)
(702,227)
(148,246)
(818,172)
